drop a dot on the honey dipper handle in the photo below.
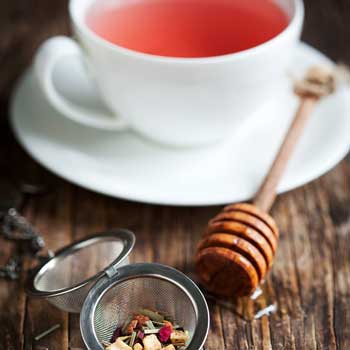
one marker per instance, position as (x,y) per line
(267,192)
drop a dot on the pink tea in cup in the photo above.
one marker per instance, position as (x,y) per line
(187,28)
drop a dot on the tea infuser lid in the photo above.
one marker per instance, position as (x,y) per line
(122,292)
(79,264)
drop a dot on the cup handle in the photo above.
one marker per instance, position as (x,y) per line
(48,55)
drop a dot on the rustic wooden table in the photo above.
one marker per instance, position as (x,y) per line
(310,280)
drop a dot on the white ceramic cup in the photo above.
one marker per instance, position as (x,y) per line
(176,101)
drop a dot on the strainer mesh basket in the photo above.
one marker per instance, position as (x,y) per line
(125,298)
(66,279)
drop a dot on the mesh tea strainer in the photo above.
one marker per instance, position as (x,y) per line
(94,277)
(65,279)
(133,287)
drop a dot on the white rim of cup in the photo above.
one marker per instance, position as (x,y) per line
(78,18)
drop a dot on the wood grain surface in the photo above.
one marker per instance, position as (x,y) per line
(310,280)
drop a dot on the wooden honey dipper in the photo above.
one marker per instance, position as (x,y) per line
(240,243)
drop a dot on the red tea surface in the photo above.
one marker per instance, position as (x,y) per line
(187,28)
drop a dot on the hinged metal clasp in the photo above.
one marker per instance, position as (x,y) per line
(111,271)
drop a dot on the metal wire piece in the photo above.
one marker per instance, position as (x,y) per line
(47,332)
(111,301)
(66,278)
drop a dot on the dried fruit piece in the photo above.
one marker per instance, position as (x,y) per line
(125,337)
(118,345)
(179,338)
(151,342)
(169,347)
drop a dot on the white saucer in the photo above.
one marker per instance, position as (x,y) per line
(127,166)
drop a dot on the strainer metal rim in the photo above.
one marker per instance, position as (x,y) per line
(127,237)
(138,270)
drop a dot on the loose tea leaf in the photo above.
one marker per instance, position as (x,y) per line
(150,325)
(140,333)
(151,331)
(154,316)
(132,339)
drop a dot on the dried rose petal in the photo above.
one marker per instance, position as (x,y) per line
(168,324)
(132,325)
(140,335)
(164,334)
(116,334)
